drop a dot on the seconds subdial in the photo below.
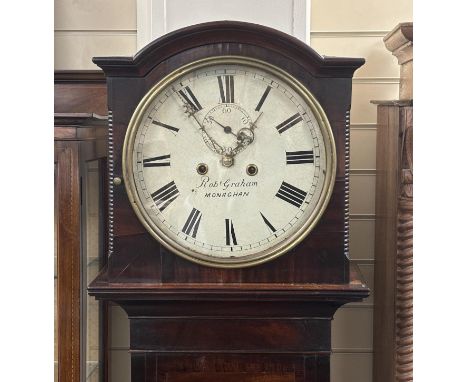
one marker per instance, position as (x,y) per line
(224,121)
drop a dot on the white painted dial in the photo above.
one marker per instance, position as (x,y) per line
(229,163)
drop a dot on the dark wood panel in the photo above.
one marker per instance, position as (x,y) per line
(67,194)
(137,259)
(318,258)
(80,92)
(79,77)
(229,335)
(229,377)
(204,308)
(235,367)
(331,294)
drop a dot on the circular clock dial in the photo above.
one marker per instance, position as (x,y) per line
(230,162)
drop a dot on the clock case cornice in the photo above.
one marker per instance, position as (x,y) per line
(337,294)
(217,32)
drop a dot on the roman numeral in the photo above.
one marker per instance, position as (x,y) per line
(265,94)
(191,225)
(291,194)
(227,90)
(299,157)
(165,195)
(157,161)
(190,98)
(230,234)
(166,126)
(269,225)
(290,122)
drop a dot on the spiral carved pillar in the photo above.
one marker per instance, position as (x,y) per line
(393,271)
(404,267)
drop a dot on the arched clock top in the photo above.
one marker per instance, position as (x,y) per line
(224,37)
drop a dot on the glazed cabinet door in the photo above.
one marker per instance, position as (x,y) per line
(80,320)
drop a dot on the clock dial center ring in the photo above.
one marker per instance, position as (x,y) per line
(224,122)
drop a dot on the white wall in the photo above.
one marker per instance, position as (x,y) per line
(158,17)
(87,28)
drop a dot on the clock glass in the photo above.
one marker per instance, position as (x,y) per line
(229,161)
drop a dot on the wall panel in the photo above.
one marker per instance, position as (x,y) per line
(367,271)
(351,367)
(74,50)
(359,15)
(120,329)
(363,148)
(352,329)
(361,245)
(362,111)
(95,15)
(379,63)
(362,194)
(119,368)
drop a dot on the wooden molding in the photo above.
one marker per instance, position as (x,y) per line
(400,42)
(80,92)
(68,260)
(79,76)
(393,276)
(404,260)
(217,33)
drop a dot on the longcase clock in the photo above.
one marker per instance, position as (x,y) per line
(228,204)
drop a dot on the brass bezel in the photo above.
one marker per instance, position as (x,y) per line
(262,256)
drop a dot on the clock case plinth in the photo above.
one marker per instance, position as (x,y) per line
(278,312)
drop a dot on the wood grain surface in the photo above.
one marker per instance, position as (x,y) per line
(393,277)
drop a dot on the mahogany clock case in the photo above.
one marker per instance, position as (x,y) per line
(189,322)
(135,256)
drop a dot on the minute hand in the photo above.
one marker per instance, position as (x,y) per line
(253,125)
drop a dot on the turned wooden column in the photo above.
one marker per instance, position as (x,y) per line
(393,290)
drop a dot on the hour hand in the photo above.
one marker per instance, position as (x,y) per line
(210,142)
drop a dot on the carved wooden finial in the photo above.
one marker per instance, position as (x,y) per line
(400,42)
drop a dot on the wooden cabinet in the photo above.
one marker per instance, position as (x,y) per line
(67,274)
(393,285)
(393,277)
(81,322)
